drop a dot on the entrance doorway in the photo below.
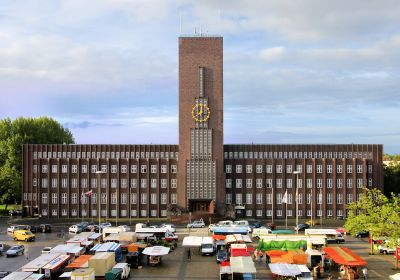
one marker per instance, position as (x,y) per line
(199,206)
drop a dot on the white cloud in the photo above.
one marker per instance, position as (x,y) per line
(273,53)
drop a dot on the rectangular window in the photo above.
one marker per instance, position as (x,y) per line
(319,183)
(279,198)
(44,183)
(153,168)
(228,183)
(339,183)
(268,183)
(84,168)
(349,198)
(319,168)
(44,198)
(269,213)
(329,213)
(163,168)
(329,198)
(124,169)
(143,198)
(228,198)
(64,182)
(349,183)
(143,183)
(239,199)
(370,182)
(309,183)
(289,168)
(123,183)
(54,168)
(259,212)
(174,169)
(173,183)
(279,168)
(268,168)
(268,198)
(259,198)
(143,169)
(300,198)
(308,198)
(299,168)
(238,183)
(54,182)
(153,183)
(289,212)
(164,183)
(329,168)
(249,213)
(339,198)
(258,183)
(329,183)
(153,198)
(359,168)
(309,168)
(133,198)
(163,198)
(249,198)
(228,168)
(249,183)
(44,168)
(289,183)
(369,168)
(93,168)
(173,198)
(64,198)
(133,168)
(143,213)
(249,168)
(258,168)
(279,213)
(133,183)
(349,168)
(238,168)
(279,183)
(339,168)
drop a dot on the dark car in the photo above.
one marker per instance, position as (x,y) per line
(4,274)
(46,228)
(15,212)
(34,229)
(301,227)
(256,225)
(222,256)
(362,233)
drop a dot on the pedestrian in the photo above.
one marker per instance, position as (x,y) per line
(189,255)
(260,256)
(365,272)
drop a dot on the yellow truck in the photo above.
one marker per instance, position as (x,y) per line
(23,235)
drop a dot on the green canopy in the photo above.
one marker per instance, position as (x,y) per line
(266,245)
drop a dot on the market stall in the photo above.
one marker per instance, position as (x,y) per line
(242,267)
(80,262)
(348,260)
(237,238)
(284,269)
(155,253)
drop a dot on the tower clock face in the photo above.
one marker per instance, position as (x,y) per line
(200,112)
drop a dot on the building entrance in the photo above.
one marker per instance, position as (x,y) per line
(200,206)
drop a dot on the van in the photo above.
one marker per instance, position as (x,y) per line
(23,235)
(207,246)
(242,223)
(225,223)
(124,268)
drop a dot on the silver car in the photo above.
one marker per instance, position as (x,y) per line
(15,251)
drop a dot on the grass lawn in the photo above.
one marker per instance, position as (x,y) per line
(9,207)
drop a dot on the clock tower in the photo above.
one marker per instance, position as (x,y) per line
(200,166)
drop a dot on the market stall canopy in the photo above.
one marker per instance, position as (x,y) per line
(80,262)
(219,237)
(284,269)
(156,251)
(192,241)
(242,265)
(395,276)
(343,255)
(232,238)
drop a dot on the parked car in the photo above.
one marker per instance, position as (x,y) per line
(15,212)
(384,249)
(362,233)
(339,238)
(23,235)
(46,250)
(93,228)
(45,228)
(301,227)
(170,227)
(75,229)
(125,228)
(256,225)
(197,224)
(3,247)
(13,228)
(222,256)
(104,225)
(4,274)
(15,251)
(34,229)
(83,225)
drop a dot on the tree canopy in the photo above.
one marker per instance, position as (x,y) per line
(392,179)
(377,214)
(15,133)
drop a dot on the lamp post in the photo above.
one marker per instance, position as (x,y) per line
(297,172)
(98,194)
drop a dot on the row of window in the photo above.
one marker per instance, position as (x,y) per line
(299,167)
(84,199)
(288,198)
(113,213)
(107,155)
(114,168)
(300,155)
(280,213)
(113,183)
(289,183)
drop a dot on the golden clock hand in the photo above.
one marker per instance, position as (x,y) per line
(201,109)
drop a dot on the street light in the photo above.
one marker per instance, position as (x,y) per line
(297,172)
(98,194)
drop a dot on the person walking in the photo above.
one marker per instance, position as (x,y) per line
(189,255)
(365,272)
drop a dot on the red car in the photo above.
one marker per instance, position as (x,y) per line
(341,230)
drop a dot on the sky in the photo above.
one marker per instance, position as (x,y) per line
(295,72)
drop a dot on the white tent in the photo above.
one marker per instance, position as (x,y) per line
(242,265)
(231,238)
(192,241)
(284,269)
(395,276)
(156,251)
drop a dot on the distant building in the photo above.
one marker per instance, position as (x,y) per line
(201,174)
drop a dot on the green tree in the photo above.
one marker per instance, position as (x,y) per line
(392,179)
(15,133)
(377,214)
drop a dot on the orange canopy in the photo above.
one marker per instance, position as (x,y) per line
(343,255)
(219,237)
(81,261)
(290,257)
(275,253)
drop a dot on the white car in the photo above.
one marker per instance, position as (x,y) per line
(75,229)
(197,224)
(15,251)
(125,228)
(46,250)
